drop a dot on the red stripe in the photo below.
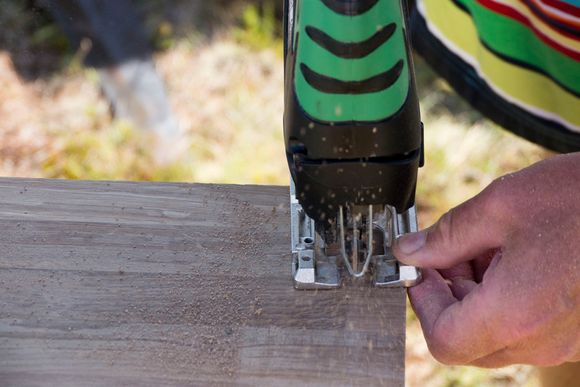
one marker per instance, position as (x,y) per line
(515,15)
(568,8)
(550,16)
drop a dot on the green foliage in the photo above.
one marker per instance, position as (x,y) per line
(260,28)
(52,37)
(467,377)
(478,377)
(163,37)
(113,153)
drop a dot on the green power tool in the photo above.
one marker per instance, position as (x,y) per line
(354,140)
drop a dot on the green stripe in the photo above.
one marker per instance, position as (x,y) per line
(515,40)
(339,107)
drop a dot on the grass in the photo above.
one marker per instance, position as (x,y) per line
(259,28)
(227,95)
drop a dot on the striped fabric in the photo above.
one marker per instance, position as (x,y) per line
(518,61)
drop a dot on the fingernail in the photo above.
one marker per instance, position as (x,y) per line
(411,243)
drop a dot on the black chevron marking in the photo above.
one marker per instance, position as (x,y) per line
(350,7)
(374,84)
(351,50)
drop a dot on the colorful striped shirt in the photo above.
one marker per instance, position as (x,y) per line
(518,61)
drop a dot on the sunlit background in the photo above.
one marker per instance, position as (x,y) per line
(222,66)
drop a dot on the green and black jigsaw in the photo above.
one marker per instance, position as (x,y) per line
(354,140)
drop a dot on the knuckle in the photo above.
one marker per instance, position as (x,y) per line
(441,349)
(439,353)
(497,198)
(443,355)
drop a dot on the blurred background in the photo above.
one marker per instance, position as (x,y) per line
(194,93)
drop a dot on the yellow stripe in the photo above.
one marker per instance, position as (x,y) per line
(563,40)
(532,90)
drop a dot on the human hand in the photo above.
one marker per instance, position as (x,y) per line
(502,271)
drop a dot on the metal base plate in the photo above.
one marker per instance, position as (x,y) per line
(313,269)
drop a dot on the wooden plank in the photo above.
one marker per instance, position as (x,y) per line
(174,284)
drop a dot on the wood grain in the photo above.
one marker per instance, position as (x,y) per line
(143,284)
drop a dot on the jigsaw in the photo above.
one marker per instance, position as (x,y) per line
(354,140)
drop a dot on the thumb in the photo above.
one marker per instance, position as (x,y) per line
(461,235)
